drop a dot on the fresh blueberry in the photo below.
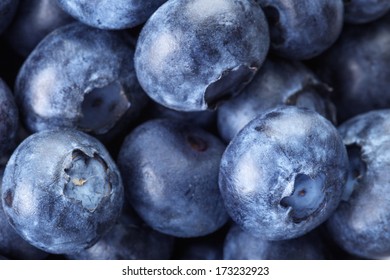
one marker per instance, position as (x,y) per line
(283,174)
(129,239)
(363,11)
(361,224)
(357,68)
(278,82)
(108,14)
(302,29)
(61,191)
(193,53)
(9,120)
(33,21)
(170,173)
(239,245)
(7,12)
(80,77)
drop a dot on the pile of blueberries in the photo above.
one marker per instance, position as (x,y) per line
(195,129)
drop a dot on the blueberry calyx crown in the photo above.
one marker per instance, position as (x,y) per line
(88,179)
(307,197)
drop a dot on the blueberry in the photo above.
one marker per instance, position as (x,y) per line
(283,174)
(7,12)
(170,173)
(107,14)
(363,11)
(61,191)
(9,120)
(239,245)
(80,77)
(302,29)
(278,82)
(129,239)
(193,53)
(361,224)
(33,21)
(357,68)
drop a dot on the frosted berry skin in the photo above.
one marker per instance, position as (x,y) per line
(302,29)
(283,174)
(193,53)
(170,173)
(361,224)
(82,78)
(108,14)
(61,191)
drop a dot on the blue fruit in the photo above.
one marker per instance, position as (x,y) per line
(283,174)
(302,29)
(80,77)
(193,53)
(361,224)
(170,173)
(61,191)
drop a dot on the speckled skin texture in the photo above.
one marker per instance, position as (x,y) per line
(7,11)
(259,167)
(357,68)
(108,14)
(36,199)
(361,225)
(170,173)
(129,239)
(11,244)
(302,29)
(9,119)
(33,21)
(363,11)
(278,82)
(192,53)
(240,245)
(67,65)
